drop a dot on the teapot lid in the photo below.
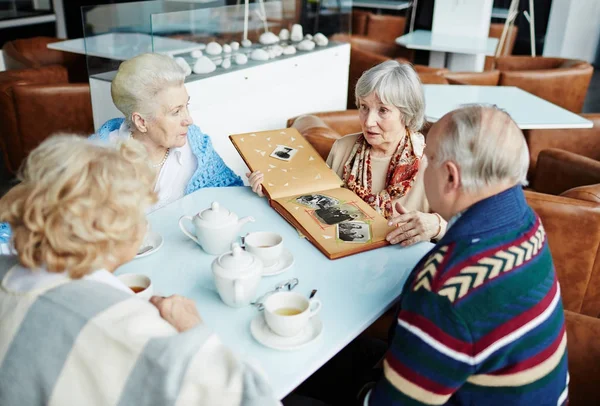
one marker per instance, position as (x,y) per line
(238,260)
(216,214)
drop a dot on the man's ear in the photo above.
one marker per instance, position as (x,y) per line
(139,122)
(452,173)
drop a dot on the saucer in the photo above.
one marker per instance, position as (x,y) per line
(264,335)
(153,239)
(285,261)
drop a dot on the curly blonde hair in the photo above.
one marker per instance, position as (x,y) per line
(78,203)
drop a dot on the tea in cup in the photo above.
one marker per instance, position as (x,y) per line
(265,245)
(139,284)
(287,313)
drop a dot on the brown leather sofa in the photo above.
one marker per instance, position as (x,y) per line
(35,103)
(563,82)
(584,142)
(34,53)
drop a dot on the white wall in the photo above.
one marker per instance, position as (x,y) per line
(573,29)
(2,66)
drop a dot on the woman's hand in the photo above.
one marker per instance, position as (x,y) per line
(178,311)
(412,227)
(256,179)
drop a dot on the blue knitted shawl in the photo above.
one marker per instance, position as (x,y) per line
(211,170)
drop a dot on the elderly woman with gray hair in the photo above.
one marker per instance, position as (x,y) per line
(384,164)
(149,90)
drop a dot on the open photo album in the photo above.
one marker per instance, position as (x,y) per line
(309,195)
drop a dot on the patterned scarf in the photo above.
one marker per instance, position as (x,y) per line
(401,174)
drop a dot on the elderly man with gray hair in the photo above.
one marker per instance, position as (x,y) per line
(481,319)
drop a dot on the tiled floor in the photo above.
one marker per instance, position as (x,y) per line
(592,105)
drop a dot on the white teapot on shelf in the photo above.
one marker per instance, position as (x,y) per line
(215,228)
(237,274)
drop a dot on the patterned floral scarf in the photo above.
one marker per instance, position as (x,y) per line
(401,174)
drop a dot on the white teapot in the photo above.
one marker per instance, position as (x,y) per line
(237,274)
(216,228)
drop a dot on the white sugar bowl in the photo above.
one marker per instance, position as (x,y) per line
(237,274)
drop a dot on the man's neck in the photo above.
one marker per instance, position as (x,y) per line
(467,199)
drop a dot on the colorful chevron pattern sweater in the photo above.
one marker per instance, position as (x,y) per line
(481,319)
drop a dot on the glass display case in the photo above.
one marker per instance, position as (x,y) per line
(209,38)
(250,66)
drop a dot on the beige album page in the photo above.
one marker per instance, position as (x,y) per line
(291,165)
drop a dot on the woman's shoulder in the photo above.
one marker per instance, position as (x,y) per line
(347,141)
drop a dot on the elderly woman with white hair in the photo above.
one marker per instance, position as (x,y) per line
(149,90)
(384,164)
(71,333)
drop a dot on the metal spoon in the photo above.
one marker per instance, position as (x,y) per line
(287,285)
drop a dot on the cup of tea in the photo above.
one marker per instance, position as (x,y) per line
(139,284)
(265,245)
(287,313)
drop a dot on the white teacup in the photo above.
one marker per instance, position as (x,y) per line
(287,313)
(140,284)
(265,245)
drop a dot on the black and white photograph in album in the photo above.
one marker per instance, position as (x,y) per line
(354,232)
(283,153)
(317,201)
(336,214)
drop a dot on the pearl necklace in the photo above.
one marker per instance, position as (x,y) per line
(161,163)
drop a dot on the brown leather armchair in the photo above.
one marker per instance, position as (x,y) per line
(35,103)
(573,231)
(584,141)
(377,33)
(34,53)
(563,82)
(565,173)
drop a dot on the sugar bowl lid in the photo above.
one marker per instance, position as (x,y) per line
(237,262)
(217,215)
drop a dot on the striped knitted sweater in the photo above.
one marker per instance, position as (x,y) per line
(85,342)
(481,319)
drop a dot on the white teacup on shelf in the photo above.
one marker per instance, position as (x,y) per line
(265,245)
(287,313)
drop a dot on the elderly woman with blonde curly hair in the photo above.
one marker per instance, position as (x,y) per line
(70,332)
(384,163)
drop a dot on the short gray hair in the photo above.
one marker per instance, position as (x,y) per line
(486,144)
(139,80)
(396,84)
